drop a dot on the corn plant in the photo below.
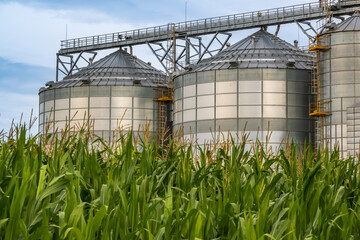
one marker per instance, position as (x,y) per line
(76,186)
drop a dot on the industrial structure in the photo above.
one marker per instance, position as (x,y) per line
(261,81)
(112,94)
(338,80)
(257,86)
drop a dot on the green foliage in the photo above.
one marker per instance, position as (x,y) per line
(76,188)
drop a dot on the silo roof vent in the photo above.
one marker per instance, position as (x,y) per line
(291,62)
(49,84)
(188,67)
(330,25)
(234,63)
(86,81)
(253,40)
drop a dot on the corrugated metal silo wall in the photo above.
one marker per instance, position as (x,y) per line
(340,74)
(353,130)
(108,106)
(260,99)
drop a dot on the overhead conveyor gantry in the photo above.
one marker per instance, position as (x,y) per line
(302,12)
(191,31)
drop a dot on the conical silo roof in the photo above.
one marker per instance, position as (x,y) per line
(350,24)
(259,50)
(118,68)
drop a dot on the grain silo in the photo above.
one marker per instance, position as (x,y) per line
(340,80)
(261,82)
(117,87)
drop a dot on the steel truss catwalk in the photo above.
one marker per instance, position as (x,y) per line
(275,16)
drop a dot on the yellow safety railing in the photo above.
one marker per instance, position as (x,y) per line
(321,42)
(319,108)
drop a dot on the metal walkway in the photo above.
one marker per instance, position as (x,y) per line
(206,26)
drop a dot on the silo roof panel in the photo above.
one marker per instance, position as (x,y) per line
(350,24)
(76,84)
(103,82)
(111,82)
(119,66)
(260,50)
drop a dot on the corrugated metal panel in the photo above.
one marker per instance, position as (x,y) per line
(350,24)
(261,99)
(353,129)
(115,84)
(260,50)
(339,65)
(118,68)
(262,92)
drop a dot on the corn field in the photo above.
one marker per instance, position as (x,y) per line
(78,187)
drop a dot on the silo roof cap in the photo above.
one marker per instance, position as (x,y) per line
(259,50)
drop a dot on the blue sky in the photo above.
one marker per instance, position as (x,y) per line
(30,34)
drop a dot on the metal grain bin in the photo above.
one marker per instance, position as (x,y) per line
(353,129)
(261,82)
(117,87)
(340,74)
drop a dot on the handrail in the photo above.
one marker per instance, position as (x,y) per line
(197,27)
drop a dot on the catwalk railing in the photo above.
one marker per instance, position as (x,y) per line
(206,26)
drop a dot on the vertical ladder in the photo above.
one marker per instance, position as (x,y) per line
(318,108)
(319,132)
(314,92)
(314,77)
(162,117)
(164,95)
(163,100)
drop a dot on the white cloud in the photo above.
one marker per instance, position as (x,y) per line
(212,8)
(32,35)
